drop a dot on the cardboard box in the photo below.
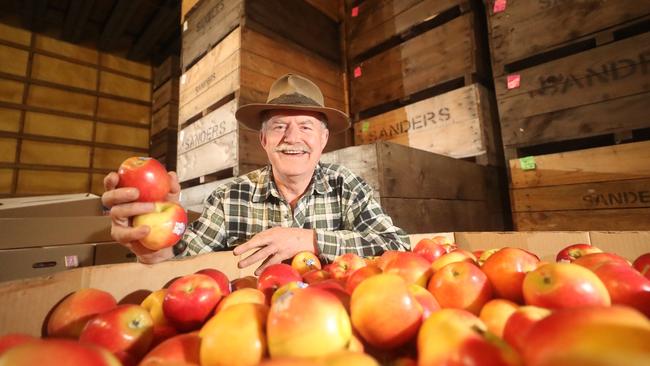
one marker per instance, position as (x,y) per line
(26,303)
(33,262)
(53,220)
(111,253)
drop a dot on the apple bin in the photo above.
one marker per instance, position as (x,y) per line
(28,303)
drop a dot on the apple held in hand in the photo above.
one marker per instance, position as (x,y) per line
(190,300)
(167,224)
(147,175)
(71,315)
(575,251)
(126,331)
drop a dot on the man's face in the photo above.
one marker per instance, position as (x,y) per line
(294,142)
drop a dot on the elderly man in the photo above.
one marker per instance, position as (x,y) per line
(295,204)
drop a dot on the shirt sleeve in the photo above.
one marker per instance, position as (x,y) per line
(208,233)
(367,230)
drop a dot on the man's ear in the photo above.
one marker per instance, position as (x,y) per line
(262,138)
(325,138)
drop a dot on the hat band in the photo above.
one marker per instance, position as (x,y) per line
(295,98)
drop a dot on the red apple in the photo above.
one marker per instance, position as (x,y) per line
(286,288)
(385,258)
(71,315)
(315,275)
(244,282)
(304,262)
(461,285)
(457,255)
(190,300)
(564,285)
(625,285)
(359,275)
(126,331)
(275,276)
(57,352)
(307,322)
(235,336)
(10,340)
(411,267)
(344,265)
(242,296)
(506,270)
(457,337)
(520,323)
(594,260)
(220,277)
(642,264)
(162,329)
(347,358)
(495,314)
(481,258)
(335,288)
(148,175)
(426,300)
(575,251)
(429,249)
(374,305)
(181,349)
(167,225)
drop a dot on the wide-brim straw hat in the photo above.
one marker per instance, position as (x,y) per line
(293,92)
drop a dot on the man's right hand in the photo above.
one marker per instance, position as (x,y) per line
(123,206)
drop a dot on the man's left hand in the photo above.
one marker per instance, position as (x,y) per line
(275,245)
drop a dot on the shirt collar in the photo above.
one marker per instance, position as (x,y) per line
(265,185)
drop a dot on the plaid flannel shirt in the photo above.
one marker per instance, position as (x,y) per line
(338,205)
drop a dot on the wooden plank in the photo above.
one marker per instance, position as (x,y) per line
(619,162)
(415,65)
(8,150)
(62,48)
(46,153)
(124,86)
(122,135)
(207,25)
(328,7)
(6,180)
(123,111)
(166,94)
(10,119)
(11,91)
(61,100)
(117,63)
(527,28)
(214,135)
(378,21)
(615,70)
(15,35)
(633,193)
(110,158)
(194,196)
(436,215)
(611,116)
(362,160)
(38,182)
(166,117)
(339,141)
(97,184)
(58,126)
(601,220)
(186,6)
(250,150)
(450,124)
(13,60)
(56,70)
(170,68)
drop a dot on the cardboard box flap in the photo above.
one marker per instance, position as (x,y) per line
(82,204)
(629,244)
(43,231)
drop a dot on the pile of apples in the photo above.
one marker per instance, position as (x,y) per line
(436,305)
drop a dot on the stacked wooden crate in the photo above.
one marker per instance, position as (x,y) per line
(68,114)
(164,121)
(419,76)
(572,79)
(232,52)
(430,193)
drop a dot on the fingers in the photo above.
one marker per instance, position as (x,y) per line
(110,181)
(257,256)
(258,240)
(275,259)
(126,210)
(127,234)
(119,196)
(174,188)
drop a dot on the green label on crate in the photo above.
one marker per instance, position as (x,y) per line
(365,126)
(527,163)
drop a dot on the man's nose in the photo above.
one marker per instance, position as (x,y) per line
(291,133)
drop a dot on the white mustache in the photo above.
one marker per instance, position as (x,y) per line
(285,147)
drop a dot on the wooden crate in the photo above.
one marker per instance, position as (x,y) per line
(170,68)
(458,124)
(294,20)
(530,28)
(166,94)
(375,22)
(431,193)
(600,91)
(13,60)
(606,188)
(447,54)
(165,118)
(164,148)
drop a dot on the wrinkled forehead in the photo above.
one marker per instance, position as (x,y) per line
(293,116)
